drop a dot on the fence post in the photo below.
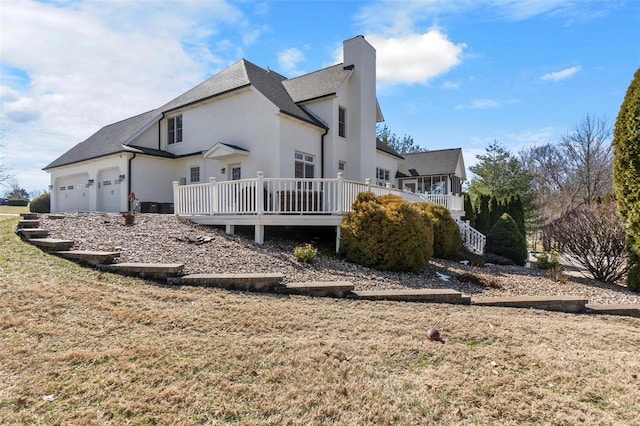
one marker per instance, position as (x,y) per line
(176,201)
(260,193)
(213,195)
(388,186)
(340,190)
(368,182)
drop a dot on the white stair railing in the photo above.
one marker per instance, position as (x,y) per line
(472,239)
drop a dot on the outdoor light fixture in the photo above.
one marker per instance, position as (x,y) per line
(223,170)
(121,177)
(90,182)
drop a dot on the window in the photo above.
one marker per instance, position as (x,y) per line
(194,174)
(382,176)
(304,166)
(342,166)
(175,130)
(342,122)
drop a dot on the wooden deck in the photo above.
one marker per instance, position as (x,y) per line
(261,202)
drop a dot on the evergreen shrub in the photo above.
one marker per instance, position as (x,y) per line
(386,233)
(41,204)
(505,239)
(447,242)
(18,203)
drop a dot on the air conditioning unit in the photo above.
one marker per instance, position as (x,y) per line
(183,181)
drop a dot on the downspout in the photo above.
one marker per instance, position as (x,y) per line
(129,174)
(326,130)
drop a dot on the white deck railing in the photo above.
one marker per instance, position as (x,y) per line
(285,196)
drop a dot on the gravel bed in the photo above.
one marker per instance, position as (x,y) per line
(168,239)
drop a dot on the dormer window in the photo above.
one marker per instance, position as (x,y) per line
(175,130)
(342,122)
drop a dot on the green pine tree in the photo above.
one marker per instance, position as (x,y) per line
(626,174)
(483,217)
(469,211)
(505,239)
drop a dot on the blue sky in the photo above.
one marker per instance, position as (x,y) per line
(451,73)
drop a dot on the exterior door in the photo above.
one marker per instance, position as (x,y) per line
(235,171)
(109,188)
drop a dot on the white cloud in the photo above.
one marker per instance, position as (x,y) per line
(560,75)
(289,59)
(481,104)
(451,85)
(75,67)
(414,58)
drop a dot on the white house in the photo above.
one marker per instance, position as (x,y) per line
(248,127)
(241,120)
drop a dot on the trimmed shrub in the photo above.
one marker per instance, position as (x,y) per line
(18,203)
(447,242)
(41,204)
(386,233)
(626,175)
(306,253)
(505,239)
(548,260)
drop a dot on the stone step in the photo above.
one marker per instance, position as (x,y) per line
(29,216)
(247,282)
(91,257)
(32,233)
(28,223)
(156,271)
(571,304)
(628,310)
(417,295)
(52,243)
(318,288)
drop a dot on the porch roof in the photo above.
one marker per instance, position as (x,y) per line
(221,151)
(432,163)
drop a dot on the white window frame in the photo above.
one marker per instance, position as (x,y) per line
(305,160)
(192,169)
(174,129)
(342,122)
(383,176)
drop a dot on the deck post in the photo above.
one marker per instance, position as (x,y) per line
(260,194)
(212,195)
(388,186)
(368,182)
(340,183)
(259,234)
(229,229)
(176,201)
(338,239)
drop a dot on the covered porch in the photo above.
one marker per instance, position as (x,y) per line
(262,201)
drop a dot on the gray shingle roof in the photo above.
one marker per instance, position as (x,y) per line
(386,148)
(317,84)
(430,163)
(107,140)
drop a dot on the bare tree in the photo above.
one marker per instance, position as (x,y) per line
(6,174)
(589,156)
(594,236)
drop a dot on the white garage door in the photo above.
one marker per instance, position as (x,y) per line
(72,193)
(109,187)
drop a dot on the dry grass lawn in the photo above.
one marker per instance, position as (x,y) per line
(13,209)
(82,347)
